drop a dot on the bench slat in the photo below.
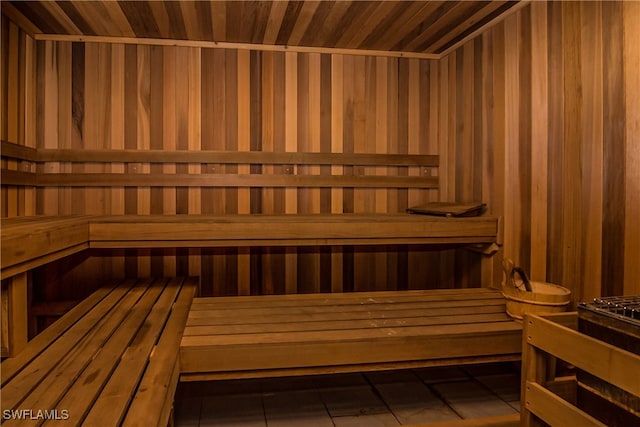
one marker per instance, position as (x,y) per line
(266,312)
(214,303)
(337,299)
(12,366)
(349,335)
(163,372)
(29,377)
(113,356)
(49,392)
(286,318)
(343,324)
(499,339)
(87,389)
(118,392)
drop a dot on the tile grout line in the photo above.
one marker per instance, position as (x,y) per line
(382,399)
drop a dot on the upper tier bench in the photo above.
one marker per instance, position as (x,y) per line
(28,242)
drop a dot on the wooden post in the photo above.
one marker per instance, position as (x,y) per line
(535,364)
(14,315)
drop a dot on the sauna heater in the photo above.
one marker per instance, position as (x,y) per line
(616,321)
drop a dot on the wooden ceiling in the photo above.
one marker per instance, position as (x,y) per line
(427,27)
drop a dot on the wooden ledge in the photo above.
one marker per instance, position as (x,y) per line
(287,230)
(28,242)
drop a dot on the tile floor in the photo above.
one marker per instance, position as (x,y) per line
(390,398)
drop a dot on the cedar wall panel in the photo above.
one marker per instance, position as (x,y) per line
(115,96)
(538,117)
(17,112)
(542,117)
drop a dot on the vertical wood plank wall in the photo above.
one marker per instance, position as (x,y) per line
(114,96)
(543,108)
(18,113)
(538,117)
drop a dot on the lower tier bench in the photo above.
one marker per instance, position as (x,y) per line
(244,337)
(111,360)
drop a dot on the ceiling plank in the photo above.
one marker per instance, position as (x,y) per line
(399,26)
(117,16)
(331,23)
(317,23)
(191,20)
(93,14)
(410,18)
(469,24)
(276,15)
(37,13)
(61,17)
(449,21)
(176,20)
(357,28)
(261,18)
(302,23)
(513,9)
(160,16)
(219,19)
(382,10)
(139,17)
(14,15)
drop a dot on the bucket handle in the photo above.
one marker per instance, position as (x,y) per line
(523,277)
(510,271)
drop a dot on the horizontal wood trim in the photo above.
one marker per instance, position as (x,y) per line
(286,227)
(37,261)
(364,367)
(230,45)
(19,178)
(235,157)
(553,409)
(52,308)
(229,180)
(19,152)
(234,243)
(585,353)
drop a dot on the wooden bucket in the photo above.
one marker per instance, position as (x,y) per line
(542,297)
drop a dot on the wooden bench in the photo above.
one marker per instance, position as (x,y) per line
(111,360)
(243,337)
(28,242)
(459,337)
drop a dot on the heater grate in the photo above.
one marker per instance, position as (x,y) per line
(626,308)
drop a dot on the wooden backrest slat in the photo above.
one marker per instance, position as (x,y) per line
(220,157)
(118,392)
(232,180)
(162,373)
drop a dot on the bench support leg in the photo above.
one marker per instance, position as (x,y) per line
(14,315)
